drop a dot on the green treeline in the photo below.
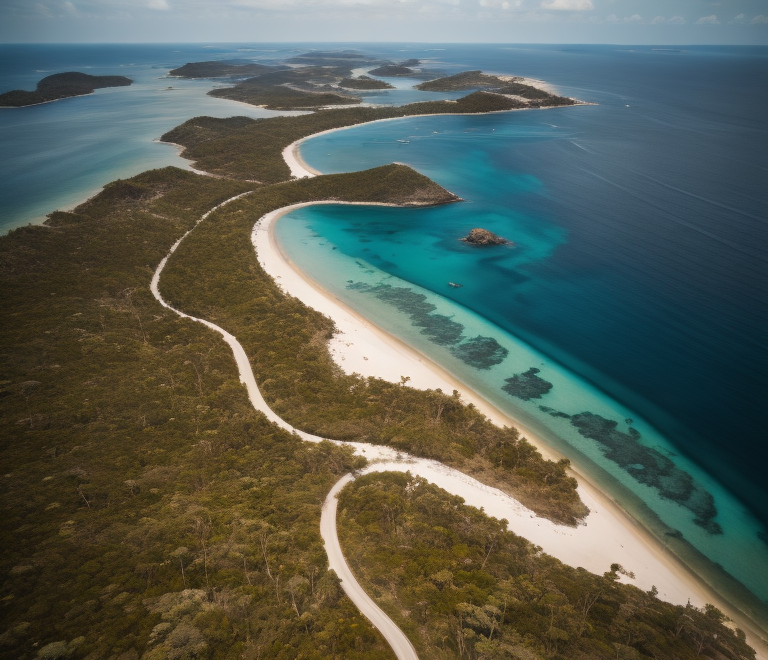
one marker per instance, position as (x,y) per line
(466,80)
(219,69)
(244,148)
(147,510)
(215,275)
(364,83)
(306,87)
(462,586)
(61,86)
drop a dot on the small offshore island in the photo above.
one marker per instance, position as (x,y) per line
(483,237)
(61,86)
(156,513)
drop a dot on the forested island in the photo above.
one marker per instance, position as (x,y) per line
(364,82)
(391,70)
(150,512)
(508,86)
(218,69)
(61,86)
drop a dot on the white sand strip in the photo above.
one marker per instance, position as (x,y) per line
(361,347)
(300,169)
(609,536)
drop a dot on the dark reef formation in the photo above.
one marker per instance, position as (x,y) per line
(650,467)
(483,237)
(61,86)
(478,352)
(527,386)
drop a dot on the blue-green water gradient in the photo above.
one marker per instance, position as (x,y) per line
(639,258)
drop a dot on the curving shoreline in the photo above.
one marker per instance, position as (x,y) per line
(364,348)
(356,349)
(609,534)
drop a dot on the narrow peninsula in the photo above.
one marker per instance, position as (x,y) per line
(61,86)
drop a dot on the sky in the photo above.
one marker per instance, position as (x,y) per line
(496,21)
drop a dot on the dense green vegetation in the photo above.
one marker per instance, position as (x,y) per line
(461,82)
(220,69)
(215,275)
(463,586)
(147,510)
(251,149)
(303,88)
(389,70)
(364,82)
(467,80)
(276,97)
(61,86)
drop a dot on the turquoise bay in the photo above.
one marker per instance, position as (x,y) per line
(637,284)
(630,268)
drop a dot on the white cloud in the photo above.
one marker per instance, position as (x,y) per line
(503,4)
(43,11)
(708,20)
(676,20)
(635,18)
(658,19)
(568,5)
(158,4)
(760,19)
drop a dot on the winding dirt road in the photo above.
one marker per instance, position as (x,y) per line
(400,644)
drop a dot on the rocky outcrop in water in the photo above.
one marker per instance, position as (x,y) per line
(483,237)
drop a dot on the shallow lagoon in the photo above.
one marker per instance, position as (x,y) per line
(637,275)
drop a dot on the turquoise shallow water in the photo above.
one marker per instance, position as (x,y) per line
(304,235)
(56,155)
(636,285)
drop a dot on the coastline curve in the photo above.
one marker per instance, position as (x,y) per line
(608,535)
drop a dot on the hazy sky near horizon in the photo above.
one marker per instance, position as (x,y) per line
(510,21)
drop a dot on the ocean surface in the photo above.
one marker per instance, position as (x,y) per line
(627,324)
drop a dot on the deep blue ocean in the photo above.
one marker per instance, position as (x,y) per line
(639,274)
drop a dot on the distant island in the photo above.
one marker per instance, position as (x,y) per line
(157,513)
(61,86)
(393,70)
(364,83)
(325,79)
(507,85)
(219,69)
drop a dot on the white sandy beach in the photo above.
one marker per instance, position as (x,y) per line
(301,170)
(609,536)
